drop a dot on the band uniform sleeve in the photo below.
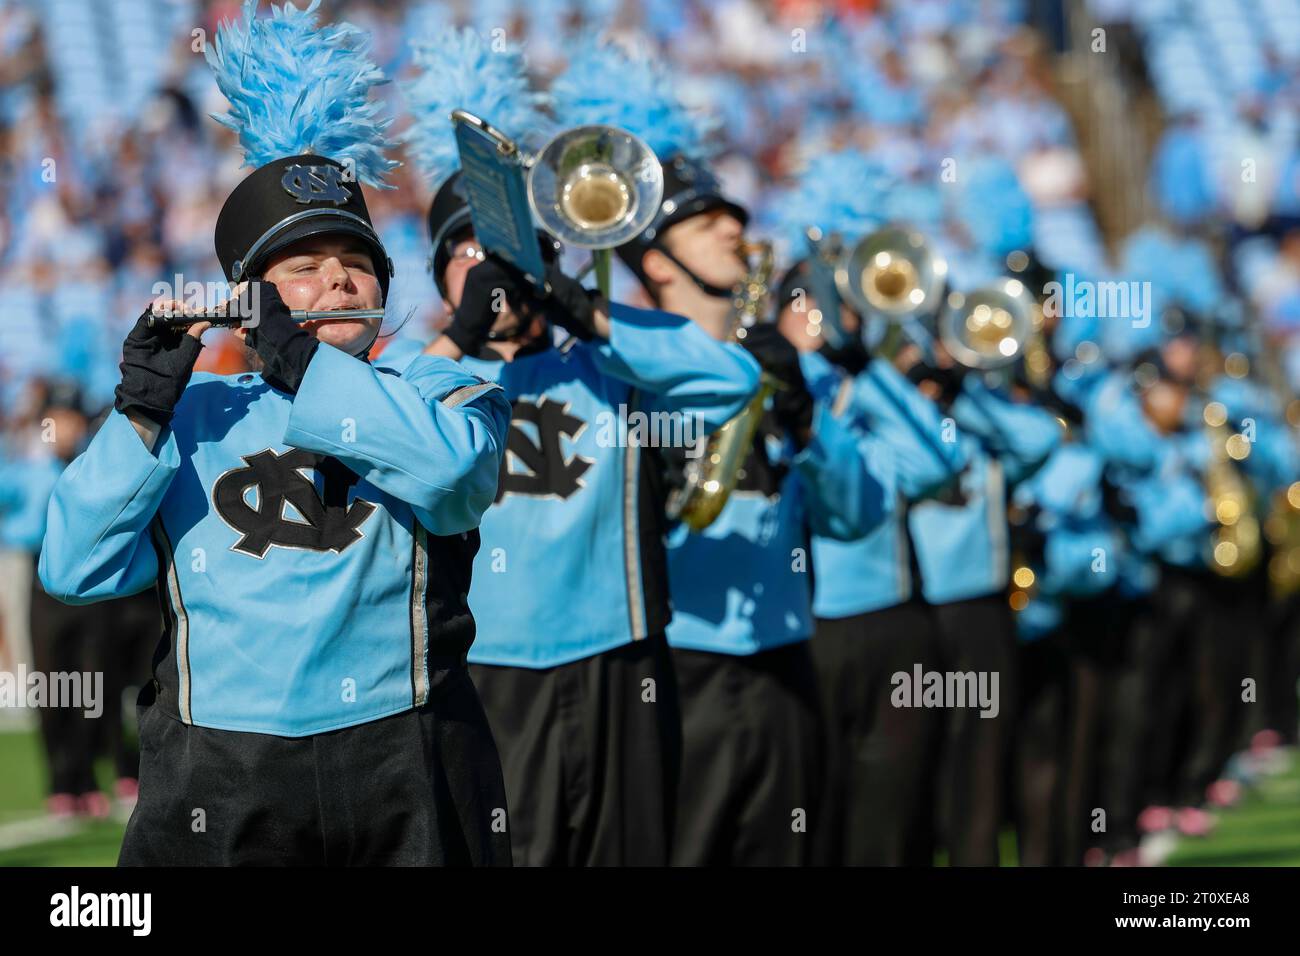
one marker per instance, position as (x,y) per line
(900,416)
(433,437)
(97,543)
(845,486)
(1020,435)
(1115,425)
(677,365)
(1169,507)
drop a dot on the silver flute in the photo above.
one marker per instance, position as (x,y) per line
(223,319)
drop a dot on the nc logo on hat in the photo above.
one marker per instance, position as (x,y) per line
(308,184)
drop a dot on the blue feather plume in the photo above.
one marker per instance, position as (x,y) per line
(605,84)
(459,70)
(296,88)
(845,192)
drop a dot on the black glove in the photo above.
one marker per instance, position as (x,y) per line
(853,356)
(948,379)
(156,367)
(571,306)
(475,316)
(284,346)
(793,403)
(1117,504)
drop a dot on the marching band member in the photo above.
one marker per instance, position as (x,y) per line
(871,623)
(64,639)
(961,541)
(1072,616)
(309,529)
(577,680)
(741,593)
(1137,418)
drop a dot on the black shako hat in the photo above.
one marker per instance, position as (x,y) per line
(291,199)
(690,188)
(448,215)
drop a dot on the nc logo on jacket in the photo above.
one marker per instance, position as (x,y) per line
(548,471)
(328,522)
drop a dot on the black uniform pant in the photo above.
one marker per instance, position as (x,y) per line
(1283,705)
(419,788)
(591,752)
(880,758)
(65,640)
(751,775)
(1041,758)
(132,625)
(976,635)
(1077,768)
(1193,663)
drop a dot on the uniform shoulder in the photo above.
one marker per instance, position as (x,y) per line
(208,390)
(202,378)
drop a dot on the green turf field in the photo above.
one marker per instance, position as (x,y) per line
(1263,831)
(22,793)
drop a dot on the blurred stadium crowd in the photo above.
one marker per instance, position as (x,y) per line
(113,173)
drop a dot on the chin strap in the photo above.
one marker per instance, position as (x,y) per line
(362,350)
(708,288)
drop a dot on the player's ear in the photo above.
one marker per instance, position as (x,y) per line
(657,267)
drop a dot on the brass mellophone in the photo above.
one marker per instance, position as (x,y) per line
(224,319)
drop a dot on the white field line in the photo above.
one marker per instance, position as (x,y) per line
(40,829)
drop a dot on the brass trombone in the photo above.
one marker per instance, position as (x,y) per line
(893,273)
(990,327)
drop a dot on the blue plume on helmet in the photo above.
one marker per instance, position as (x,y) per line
(994,207)
(605,84)
(460,70)
(844,192)
(296,88)
(1151,255)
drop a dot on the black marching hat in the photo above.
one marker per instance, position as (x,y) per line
(690,188)
(448,216)
(290,199)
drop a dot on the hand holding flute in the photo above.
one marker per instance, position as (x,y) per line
(238,311)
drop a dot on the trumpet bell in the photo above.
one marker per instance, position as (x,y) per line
(595,187)
(988,328)
(595,197)
(892,273)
